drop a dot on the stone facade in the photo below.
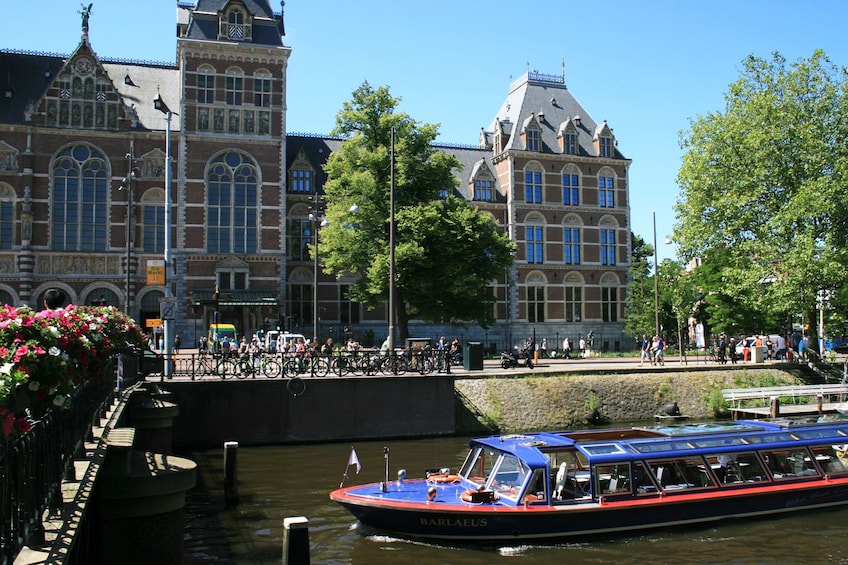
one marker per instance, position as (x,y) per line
(82,191)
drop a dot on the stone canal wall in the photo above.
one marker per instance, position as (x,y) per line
(549,401)
(263,411)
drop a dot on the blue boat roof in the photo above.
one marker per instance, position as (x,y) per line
(669,439)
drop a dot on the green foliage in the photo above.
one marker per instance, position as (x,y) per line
(447,253)
(640,317)
(716,403)
(762,188)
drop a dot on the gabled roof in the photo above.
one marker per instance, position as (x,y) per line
(552,103)
(267,28)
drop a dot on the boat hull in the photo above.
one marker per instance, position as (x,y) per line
(448,520)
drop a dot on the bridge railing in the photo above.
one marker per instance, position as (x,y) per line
(33,466)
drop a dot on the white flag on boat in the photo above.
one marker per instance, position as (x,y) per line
(354,460)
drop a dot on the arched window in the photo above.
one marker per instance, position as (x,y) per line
(299,295)
(536,283)
(571,239)
(533,183)
(606,188)
(571,186)
(262,89)
(609,297)
(573,293)
(534,238)
(232,181)
(7,216)
(606,237)
(80,178)
(153,226)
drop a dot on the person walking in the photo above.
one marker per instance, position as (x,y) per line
(645,350)
(566,348)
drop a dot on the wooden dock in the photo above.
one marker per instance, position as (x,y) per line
(755,412)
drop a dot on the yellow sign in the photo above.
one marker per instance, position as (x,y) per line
(153,322)
(155,272)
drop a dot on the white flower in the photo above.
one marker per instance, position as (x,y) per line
(33,385)
(6,368)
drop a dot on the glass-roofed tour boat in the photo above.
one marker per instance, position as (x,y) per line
(570,485)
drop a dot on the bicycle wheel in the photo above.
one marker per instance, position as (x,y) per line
(243,368)
(271,367)
(226,368)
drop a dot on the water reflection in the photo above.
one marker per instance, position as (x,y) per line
(278,482)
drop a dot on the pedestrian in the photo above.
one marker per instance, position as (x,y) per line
(177,344)
(566,348)
(581,344)
(54,299)
(645,350)
(543,348)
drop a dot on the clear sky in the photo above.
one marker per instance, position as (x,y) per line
(647,67)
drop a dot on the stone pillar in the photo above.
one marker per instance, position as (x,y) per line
(142,500)
(153,419)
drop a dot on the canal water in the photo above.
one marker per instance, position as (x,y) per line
(279,482)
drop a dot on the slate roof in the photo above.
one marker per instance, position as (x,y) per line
(552,103)
(267,28)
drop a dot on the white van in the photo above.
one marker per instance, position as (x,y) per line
(272,337)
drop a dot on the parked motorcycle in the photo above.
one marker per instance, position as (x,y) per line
(510,360)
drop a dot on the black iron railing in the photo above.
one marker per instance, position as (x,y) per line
(33,466)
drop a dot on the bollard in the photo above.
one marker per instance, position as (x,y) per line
(231,496)
(819,403)
(296,541)
(775,407)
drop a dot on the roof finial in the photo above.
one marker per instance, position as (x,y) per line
(86,12)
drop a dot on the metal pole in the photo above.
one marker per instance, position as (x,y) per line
(168,266)
(130,202)
(315,269)
(392,248)
(656,282)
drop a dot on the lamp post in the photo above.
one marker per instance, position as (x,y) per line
(392,247)
(127,185)
(317,208)
(160,105)
(656,282)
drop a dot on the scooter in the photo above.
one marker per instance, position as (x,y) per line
(512,360)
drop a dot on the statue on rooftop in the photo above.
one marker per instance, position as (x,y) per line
(86,12)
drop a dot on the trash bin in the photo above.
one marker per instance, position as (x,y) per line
(758,354)
(472,356)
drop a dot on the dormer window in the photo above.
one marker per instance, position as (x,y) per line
(606,146)
(532,139)
(236,25)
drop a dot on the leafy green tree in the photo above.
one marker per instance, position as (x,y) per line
(763,181)
(447,253)
(640,294)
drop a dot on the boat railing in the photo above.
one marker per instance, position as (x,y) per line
(736,395)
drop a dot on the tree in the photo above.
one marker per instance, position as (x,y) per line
(640,294)
(764,181)
(447,253)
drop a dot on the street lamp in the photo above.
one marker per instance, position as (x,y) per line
(317,208)
(132,173)
(160,105)
(392,247)
(656,282)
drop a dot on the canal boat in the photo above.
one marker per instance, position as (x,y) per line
(571,485)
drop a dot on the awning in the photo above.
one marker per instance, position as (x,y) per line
(234,298)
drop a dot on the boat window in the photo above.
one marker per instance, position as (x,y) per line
(833,459)
(737,467)
(509,476)
(789,463)
(681,473)
(816,433)
(478,465)
(569,475)
(612,478)
(779,437)
(642,479)
(603,448)
(537,489)
(720,442)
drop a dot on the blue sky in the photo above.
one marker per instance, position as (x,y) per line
(647,67)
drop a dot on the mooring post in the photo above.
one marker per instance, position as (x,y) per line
(296,541)
(775,407)
(231,496)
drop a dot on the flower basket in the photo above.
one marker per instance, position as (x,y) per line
(46,355)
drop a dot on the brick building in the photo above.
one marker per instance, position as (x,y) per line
(82,190)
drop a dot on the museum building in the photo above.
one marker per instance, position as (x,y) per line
(86,143)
